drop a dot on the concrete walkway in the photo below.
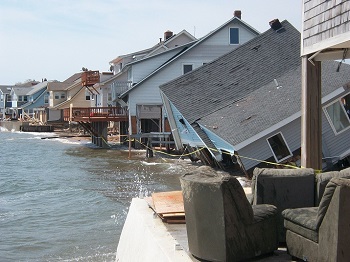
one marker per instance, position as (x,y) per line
(146,238)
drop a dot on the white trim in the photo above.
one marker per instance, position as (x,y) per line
(338,41)
(187,64)
(329,119)
(286,144)
(229,35)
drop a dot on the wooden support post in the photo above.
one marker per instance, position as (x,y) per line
(311,115)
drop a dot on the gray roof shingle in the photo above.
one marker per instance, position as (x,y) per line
(236,74)
(236,96)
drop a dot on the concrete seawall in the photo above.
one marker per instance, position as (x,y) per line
(11,125)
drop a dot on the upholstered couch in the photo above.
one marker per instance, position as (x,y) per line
(290,188)
(321,233)
(221,224)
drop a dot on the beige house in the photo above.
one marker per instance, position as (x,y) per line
(68,93)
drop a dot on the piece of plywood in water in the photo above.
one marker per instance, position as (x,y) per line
(168,202)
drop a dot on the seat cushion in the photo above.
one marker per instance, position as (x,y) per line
(263,211)
(302,221)
(322,180)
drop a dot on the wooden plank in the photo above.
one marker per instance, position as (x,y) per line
(180,214)
(168,202)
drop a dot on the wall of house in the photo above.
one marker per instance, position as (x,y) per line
(54,115)
(324,21)
(336,144)
(143,68)
(179,40)
(222,37)
(260,149)
(210,49)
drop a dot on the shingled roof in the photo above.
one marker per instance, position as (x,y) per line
(237,96)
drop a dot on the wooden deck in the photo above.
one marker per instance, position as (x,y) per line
(95,114)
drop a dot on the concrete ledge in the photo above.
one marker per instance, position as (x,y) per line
(146,238)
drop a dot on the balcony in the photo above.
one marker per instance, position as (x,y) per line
(89,78)
(95,114)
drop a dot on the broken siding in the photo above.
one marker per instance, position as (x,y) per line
(218,142)
(186,132)
(323,20)
(260,150)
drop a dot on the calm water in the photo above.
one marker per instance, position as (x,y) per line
(66,201)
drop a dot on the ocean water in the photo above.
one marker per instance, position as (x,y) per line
(63,200)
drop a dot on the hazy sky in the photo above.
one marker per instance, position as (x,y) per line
(54,39)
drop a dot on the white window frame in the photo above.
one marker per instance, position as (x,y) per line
(57,95)
(46,98)
(286,144)
(229,36)
(63,96)
(187,64)
(330,119)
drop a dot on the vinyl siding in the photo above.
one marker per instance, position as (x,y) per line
(260,149)
(218,142)
(143,68)
(336,144)
(208,50)
(223,35)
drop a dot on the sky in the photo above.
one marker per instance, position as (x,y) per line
(54,39)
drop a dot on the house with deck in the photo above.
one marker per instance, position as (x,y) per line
(145,106)
(38,101)
(139,64)
(244,109)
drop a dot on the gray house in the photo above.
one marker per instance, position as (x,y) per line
(243,109)
(146,113)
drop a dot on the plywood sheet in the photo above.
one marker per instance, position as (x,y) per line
(168,202)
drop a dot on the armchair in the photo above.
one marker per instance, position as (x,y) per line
(321,233)
(221,224)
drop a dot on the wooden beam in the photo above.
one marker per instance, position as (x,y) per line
(311,115)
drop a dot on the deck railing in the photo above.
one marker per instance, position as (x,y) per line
(91,113)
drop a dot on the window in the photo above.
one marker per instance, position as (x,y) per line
(234,36)
(87,95)
(20,98)
(279,147)
(25,98)
(9,98)
(57,95)
(338,114)
(109,97)
(46,98)
(187,68)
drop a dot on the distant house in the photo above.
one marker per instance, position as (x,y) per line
(243,109)
(37,101)
(5,100)
(18,97)
(146,112)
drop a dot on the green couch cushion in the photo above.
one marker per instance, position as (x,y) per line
(302,221)
(322,180)
(263,211)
